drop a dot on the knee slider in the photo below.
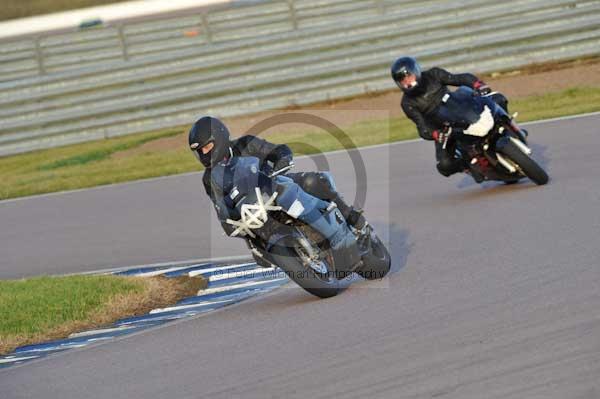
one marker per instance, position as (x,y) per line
(501,100)
(445,167)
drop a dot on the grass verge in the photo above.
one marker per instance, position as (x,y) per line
(97,163)
(44,308)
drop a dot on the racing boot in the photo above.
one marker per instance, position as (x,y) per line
(354,217)
(478,177)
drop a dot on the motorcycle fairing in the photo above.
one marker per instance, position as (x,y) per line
(235,182)
(329,223)
(463,109)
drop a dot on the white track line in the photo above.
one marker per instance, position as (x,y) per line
(195,273)
(225,276)
(16,359)
(56,347)
(195,305)
(188,263)
(160,272)
(251,284)
(101,331)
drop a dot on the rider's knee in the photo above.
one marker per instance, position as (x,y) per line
(442,171)
(319,184)
(501,100)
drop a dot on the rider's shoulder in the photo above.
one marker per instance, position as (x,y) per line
(435,71)
(242,143)
(247,139)
(242,139)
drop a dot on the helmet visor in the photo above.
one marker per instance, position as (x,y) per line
(202,153)
(408,81)
(406,72)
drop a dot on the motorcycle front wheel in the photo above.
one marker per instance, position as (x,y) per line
(529,167)
(377,262)
(316,276)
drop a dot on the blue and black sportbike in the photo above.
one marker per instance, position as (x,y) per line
(308,238)
(489,141)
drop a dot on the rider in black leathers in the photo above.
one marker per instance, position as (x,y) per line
(423,93)
(209,140)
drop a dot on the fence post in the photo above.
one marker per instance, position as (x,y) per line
(123,41)
(206,28)
(39,56)
(293,16)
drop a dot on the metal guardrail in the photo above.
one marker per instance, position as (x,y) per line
(328,49)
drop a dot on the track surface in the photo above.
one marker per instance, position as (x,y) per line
(496,292)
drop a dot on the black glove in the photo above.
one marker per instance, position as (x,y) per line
(481,88)
(282,163)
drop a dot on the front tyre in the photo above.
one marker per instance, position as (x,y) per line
(320,281)
(529,167)
(377,262)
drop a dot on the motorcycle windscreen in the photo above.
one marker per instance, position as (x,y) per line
(460,109)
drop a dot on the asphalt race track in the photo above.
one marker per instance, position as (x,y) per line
(495,291)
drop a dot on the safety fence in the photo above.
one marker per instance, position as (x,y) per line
(260,55)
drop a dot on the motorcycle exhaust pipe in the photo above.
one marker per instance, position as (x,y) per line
(521,146)
(504,162)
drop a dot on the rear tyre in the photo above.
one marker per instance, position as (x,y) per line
(529,167)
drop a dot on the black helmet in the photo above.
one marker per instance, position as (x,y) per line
(206,130)
(403,67)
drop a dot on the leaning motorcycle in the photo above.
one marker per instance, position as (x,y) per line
(487,138)
(308,238)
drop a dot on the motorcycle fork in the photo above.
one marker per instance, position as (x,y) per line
(308,250)
(512,127)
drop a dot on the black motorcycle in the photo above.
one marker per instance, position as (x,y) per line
(489,141)
(308,238)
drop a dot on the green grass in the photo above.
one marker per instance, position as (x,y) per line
(105,152)
(45,308)
(20,9)
(33,307)
(97,163)
(84,165)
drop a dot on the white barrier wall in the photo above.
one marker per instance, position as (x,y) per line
(107,14)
